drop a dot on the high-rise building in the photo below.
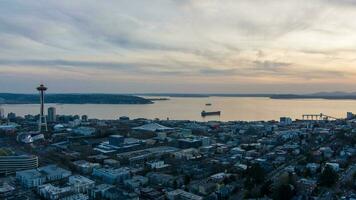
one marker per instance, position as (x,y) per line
(2,113)
(42,123)
(11,116)
(350,115)
(52,115)
(84,118)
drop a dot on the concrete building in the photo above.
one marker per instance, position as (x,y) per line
(53,172)
(157,164)
(11,116)
(2,113)
(85,131)
(80,184)
(84,118)
(349,115)
(85,167)
(6,190)
(98,191)
(285,121)
(30,178)
(35,177)
(52,114)
(136,182)
(182,195)
(9,128)
(51,192)
(116,140)
(11,164)
(189,143)
(112,175)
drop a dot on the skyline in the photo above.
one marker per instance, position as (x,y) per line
(178,46)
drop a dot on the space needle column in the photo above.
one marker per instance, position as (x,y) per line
(42,124)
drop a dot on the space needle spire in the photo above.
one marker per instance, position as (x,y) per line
(42,123)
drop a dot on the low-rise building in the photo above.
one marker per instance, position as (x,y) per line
(112,175)
(36,177)
(30,178)
(157,164)
(98,191)
(85,167)
(80,184)
(53,172)
(51,192)
(136,182)
(182,195)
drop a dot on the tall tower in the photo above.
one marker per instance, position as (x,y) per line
(42,123)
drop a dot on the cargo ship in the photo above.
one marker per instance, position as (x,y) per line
(204,113)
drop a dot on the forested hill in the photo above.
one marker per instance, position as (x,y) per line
(8,98)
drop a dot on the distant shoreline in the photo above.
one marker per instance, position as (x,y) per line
(271,96)
(8,98)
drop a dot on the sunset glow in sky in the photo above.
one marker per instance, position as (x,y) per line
(191,46)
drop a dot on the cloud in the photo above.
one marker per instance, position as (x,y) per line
(174,40)
(270,65)
(218,72)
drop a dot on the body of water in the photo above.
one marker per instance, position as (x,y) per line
(232,108)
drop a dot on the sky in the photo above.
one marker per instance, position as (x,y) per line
(181,46)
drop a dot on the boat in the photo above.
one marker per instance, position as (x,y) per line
(208,104)
(204,113)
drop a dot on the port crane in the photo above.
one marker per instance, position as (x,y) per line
(316,117)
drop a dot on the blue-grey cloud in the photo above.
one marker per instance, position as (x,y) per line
(273,66)
(175,40)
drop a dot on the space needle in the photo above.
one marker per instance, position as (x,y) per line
(42,123)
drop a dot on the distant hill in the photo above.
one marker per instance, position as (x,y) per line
(8,98)
(320,95)
(330,94)
(175,95)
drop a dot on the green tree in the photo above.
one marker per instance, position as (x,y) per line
(254,175)
(328,177)
(266,188)
(187,179)
(284,192)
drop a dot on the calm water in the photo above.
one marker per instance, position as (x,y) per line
(232,108)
